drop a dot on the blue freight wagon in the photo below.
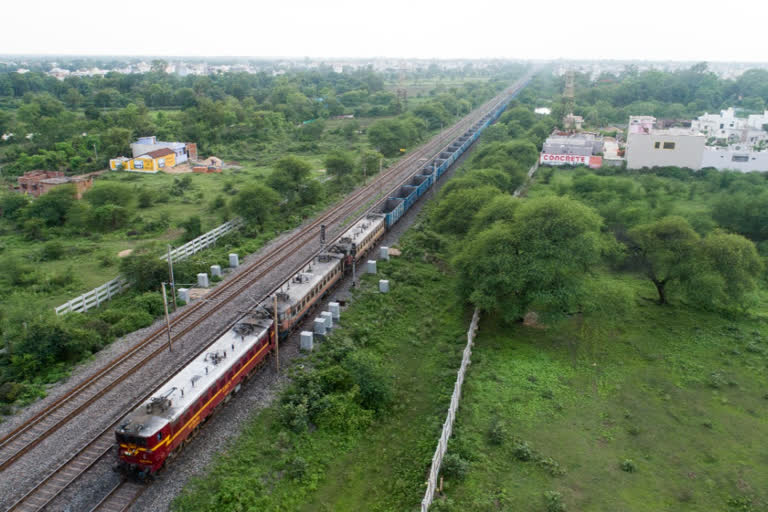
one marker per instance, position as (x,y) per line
(393,209)
(408,195)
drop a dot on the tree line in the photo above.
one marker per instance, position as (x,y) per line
(694,236)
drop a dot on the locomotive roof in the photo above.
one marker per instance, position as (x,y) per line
(187,386)
(299,285)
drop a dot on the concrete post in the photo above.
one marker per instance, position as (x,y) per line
(328,319)
(371,267)
(335,310)
(234,261)
(319,326)
(307,341)
(384,286)
(216,270)
(202,280)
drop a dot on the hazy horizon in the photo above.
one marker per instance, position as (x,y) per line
(598,30)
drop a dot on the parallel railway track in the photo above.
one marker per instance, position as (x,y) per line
(26,436)
(121,497)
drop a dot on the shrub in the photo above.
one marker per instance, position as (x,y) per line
(193,227)
(717,380)
(497,433)
(454,466)
(144,271)
(551,466)
(109,217)
(522,451)
(372,378)
(10,391)
(341,412)
(295,416)
(296,467)
(145,198)
(628,465)
(442,505)
(52,251)
(33,229)
(554,501)
(150,302)
(107,259)
(12,205)
(130,322)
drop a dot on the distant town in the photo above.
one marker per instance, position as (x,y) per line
(72,66)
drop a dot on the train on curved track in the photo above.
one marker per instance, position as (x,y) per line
(155,432)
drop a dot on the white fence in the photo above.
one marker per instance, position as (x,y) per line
(105,292)
(95,297)
(203,241)
(442,445)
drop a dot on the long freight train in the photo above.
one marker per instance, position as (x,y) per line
(155,432)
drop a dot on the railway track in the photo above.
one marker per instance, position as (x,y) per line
(25,437)
(121,497)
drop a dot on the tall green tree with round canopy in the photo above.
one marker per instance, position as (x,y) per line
(666,251)
(539,259)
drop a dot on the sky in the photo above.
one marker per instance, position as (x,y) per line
(682,30)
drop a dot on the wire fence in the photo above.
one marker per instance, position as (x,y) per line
(105,292)
(442,444)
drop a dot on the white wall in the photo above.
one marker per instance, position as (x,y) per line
(722,159)
(641,150)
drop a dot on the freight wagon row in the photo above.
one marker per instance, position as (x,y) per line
(396,205)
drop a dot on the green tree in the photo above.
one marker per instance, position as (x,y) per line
(109,217)
(193,227)
(12,205)
(370,162)
(52,207)
(540,259)
(144,270)
(500,208)
(340,164)
(666,252)
(289,174)
(453,214)
(256,203)
(730,273)
(109,193)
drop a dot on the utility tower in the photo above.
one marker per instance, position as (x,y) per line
(568,120)
(402,92)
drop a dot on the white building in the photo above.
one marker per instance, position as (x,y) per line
(731,129)
(735,158)
(184,150)
(674,147)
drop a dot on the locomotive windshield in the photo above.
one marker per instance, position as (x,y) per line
(128,439)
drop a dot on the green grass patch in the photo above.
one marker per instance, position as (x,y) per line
(662,409)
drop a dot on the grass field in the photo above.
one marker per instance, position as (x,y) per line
(678,397)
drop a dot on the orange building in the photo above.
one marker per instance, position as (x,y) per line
(37,183)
